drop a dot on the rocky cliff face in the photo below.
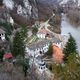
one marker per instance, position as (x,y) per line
(26,12)
(77,2)
(22,11)
(33,9)
(21,7)
(30,9)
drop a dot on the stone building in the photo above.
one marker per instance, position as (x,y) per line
(41,47)
(38,48)
(43,33)
(2,35)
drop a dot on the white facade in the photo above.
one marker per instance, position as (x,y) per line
(40,48)
(41,66)
(11,21)
(2,37)
(39,35)
(38,51)
(2,34)
(58,44)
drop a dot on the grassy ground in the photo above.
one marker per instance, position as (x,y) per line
(32,39)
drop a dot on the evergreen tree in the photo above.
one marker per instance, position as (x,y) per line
(1,2)
(34,30)
(23,32)
(50,50)
(8,27)
(18,45)
(72,67)
(68,71)
(1,54)
(25,65)
(70,47)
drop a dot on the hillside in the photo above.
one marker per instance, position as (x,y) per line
(26,12)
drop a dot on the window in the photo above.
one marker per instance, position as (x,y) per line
(40,52)
(41,68)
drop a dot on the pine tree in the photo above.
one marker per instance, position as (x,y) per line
(70,47)
(18,45)
(69,70)
(72,67)
(1,54)
(34,30)
(23,32)
(25,66)
(1,2)
(50,50)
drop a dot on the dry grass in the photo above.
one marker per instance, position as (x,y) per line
(15,73)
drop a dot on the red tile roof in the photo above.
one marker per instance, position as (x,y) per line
(7,55)
(57,54)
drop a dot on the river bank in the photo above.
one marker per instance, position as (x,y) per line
(66,28)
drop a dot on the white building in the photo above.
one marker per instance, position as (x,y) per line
(56,41)
(41,65)
(41,47)
(43,33)
(11,21)
(2,34)
(38,48)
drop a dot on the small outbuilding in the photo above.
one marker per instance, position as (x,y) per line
(7,56)
(2,34)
